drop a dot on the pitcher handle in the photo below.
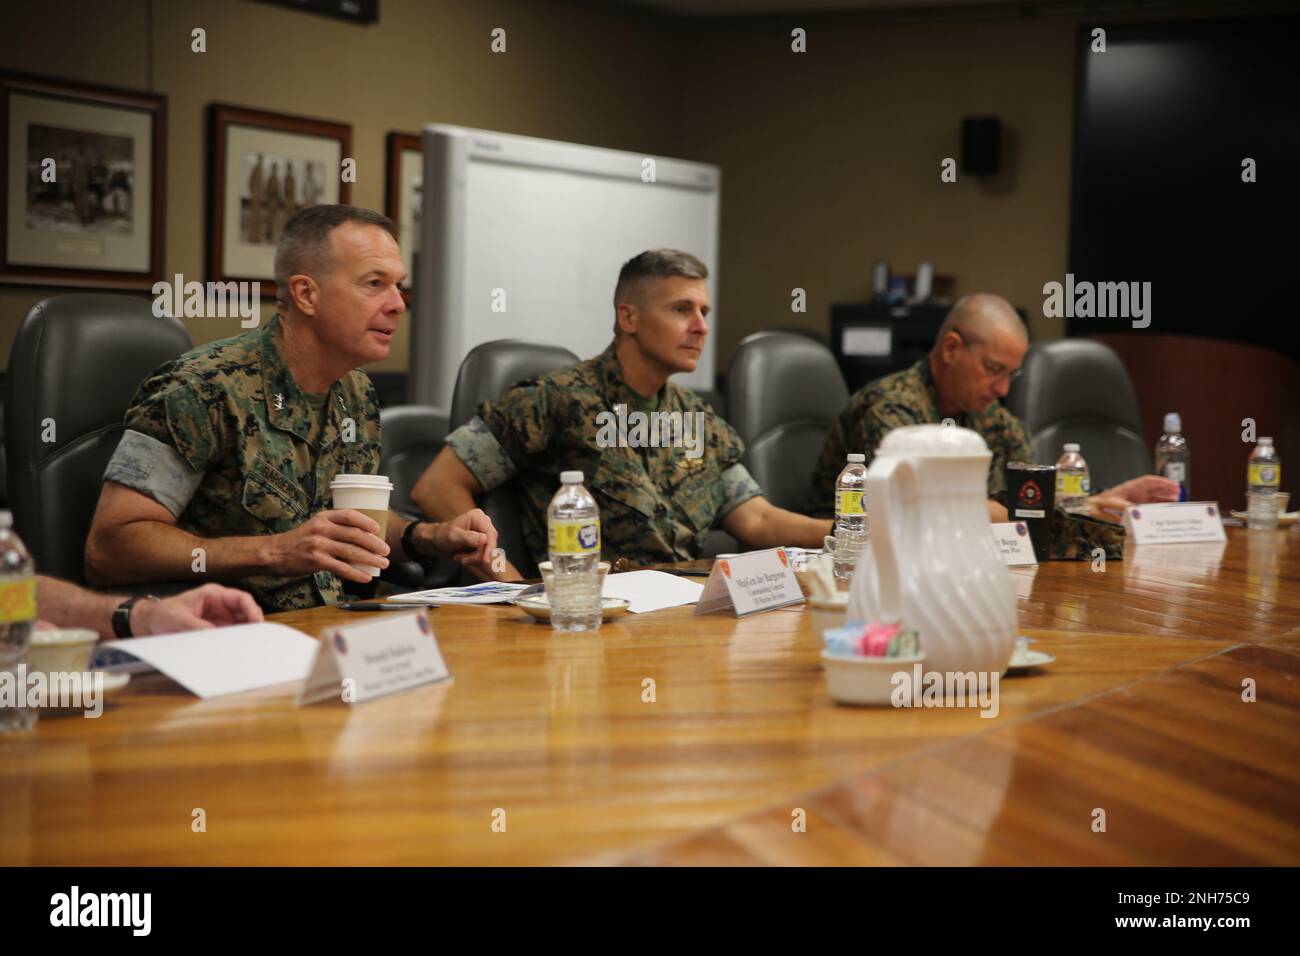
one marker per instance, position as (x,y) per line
(881,518)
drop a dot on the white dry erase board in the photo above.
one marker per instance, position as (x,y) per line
(548,224)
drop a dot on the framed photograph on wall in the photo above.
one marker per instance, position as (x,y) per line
(402,195)
(264,168)
(83,168)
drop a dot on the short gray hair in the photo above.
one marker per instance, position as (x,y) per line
(304,245)
(656,264)
(974,316)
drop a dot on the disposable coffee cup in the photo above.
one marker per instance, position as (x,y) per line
(1031,498)
(368,494)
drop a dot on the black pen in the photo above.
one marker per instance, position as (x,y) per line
(380,606)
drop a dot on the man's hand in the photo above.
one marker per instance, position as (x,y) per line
(332,541)
(209,606)
(469,538)
(1107,506)
(1146,490)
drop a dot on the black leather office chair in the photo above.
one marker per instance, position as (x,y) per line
(1077,390)
(412,436)
(784,392)
(75,365)
(487,372)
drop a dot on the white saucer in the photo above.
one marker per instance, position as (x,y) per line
(1283,521)
(113,683)
(539,607)
(1030,660)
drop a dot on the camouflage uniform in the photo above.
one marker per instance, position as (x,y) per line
(910,397)
(225,440)
(656,504)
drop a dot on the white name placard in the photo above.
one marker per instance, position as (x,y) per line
(1177,522)
(1013,542)
(360,662)
(747,583)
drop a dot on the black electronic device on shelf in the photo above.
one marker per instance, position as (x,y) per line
(871,339)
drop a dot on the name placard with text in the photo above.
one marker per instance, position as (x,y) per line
(1013,542)
(748,583)
(1177,522)
(360,662)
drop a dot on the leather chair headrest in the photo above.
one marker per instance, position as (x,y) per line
(490,369)
(777,378)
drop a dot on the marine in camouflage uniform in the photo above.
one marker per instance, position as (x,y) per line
(656,504)
(910,397)
(227,442)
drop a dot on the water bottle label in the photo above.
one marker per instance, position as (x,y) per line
(18,601)
(1264,473)
(574,536)
(1071,486)
(1177,471)
(849,503)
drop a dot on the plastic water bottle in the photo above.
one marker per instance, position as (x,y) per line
(1073,482)
(1263,479)
(1173,458)
(573,533)
(17,621)
(850,516)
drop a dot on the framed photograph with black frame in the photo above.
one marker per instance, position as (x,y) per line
(84,184)
(265,167)
(402,195)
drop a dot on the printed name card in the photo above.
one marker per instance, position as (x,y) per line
(363,661)
(1177,522)
(748,583)
(1013,542)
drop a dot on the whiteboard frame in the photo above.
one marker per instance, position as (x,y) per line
(438,340)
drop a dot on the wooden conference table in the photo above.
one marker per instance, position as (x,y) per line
(1141,715)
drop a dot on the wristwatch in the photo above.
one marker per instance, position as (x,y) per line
(122,615)
(408,545)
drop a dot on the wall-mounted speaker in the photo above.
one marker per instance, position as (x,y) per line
(981,138)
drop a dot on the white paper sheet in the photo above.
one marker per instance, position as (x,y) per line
(652,590)
(226,660)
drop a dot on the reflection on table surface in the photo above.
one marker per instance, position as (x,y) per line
(672,737)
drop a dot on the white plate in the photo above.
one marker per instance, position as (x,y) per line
(539,607)
(1283,521)
(113,683)
(1031,659)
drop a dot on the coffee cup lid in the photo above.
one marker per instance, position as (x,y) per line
(361,481)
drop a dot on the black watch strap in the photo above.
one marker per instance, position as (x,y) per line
(408,544)
(122,615)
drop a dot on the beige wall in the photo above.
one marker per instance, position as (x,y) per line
(830,158)
(571,72)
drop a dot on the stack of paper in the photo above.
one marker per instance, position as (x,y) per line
(652,590)
(489,592)
(221,660)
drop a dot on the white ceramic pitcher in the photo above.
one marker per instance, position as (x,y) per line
(932,561)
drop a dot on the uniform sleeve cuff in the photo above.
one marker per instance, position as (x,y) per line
(739,486)
(476,446)
(149,466)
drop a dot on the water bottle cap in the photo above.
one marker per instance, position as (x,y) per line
(570,477)
(6,520)
(1173,422)
(1071,446)
(856,458)
(1263,442)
